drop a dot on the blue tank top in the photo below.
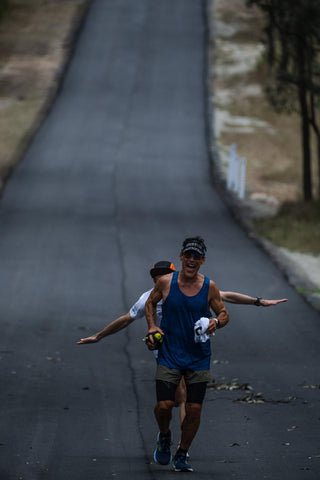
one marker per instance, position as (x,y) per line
(179,315)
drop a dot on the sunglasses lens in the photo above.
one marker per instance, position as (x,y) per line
(195,255)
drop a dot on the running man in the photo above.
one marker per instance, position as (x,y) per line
(138,309)
(187,297)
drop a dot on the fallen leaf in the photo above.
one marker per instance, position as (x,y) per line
(290,429)
(54,359)
(257,398)
(233,385)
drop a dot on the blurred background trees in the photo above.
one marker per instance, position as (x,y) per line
(292,38)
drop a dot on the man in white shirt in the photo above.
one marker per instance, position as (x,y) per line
(138,309)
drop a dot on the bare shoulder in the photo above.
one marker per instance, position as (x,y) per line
(164,284)
(213,289)
(163,281)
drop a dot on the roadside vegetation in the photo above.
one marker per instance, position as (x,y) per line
(34,36)
(296,227)
(292,39)
(264,117)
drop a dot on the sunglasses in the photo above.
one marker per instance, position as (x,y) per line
(193,254)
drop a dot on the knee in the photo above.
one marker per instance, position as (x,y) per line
(193,410)
(164,406)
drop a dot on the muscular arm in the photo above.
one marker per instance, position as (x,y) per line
(151,305)
(242,299)
(216,303)
(113,327)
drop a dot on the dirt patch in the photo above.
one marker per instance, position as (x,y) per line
(35,39)
(270,142)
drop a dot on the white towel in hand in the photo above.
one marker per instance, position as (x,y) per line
(200,329)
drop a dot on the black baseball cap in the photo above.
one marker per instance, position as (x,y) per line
(162,268)
(194,245)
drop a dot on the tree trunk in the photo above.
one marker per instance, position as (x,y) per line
(304,113)
(318,155)
(318,140)
(316,130)
(306,153)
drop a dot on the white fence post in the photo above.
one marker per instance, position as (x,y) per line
(236,178)
(242,178)
(232,159)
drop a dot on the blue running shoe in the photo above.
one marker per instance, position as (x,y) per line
(162,453)
(188,456)
(180,463)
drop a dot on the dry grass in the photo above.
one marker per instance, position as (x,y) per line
(33,38)
(274,158)
(273,152)
(296,227)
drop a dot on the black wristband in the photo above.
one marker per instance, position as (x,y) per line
(257,302)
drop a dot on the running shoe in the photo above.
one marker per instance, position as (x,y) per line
(162,453)
(180,463)
(188,456)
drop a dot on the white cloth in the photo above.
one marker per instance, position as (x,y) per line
(200,329)
(138,309)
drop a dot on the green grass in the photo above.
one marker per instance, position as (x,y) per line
(304,290)
(17,120)
(296,227)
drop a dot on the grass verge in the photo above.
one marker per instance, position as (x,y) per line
(273,146)
(296,227)
(35,38)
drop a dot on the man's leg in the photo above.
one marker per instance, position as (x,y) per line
(163,414)
(190,425)
(167,380)
(195,396)
(180,399)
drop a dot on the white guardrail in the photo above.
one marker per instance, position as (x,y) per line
(236,179)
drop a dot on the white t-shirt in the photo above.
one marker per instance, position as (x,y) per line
(138,309)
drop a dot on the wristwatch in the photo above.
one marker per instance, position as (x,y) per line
(257,302)
(217,322)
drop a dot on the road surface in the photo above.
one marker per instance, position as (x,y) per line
(115,179)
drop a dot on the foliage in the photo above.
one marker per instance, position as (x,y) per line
(4,5)
(293,47)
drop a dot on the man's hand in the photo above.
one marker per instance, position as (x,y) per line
(92,339)
(269,303)
(153,330)
(212,326)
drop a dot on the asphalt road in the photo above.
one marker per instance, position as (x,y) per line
(114,180)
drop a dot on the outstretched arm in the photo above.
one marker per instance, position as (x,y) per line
(242,299)
(113,327)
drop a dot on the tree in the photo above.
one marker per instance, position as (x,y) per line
(4,4)
(293,46)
